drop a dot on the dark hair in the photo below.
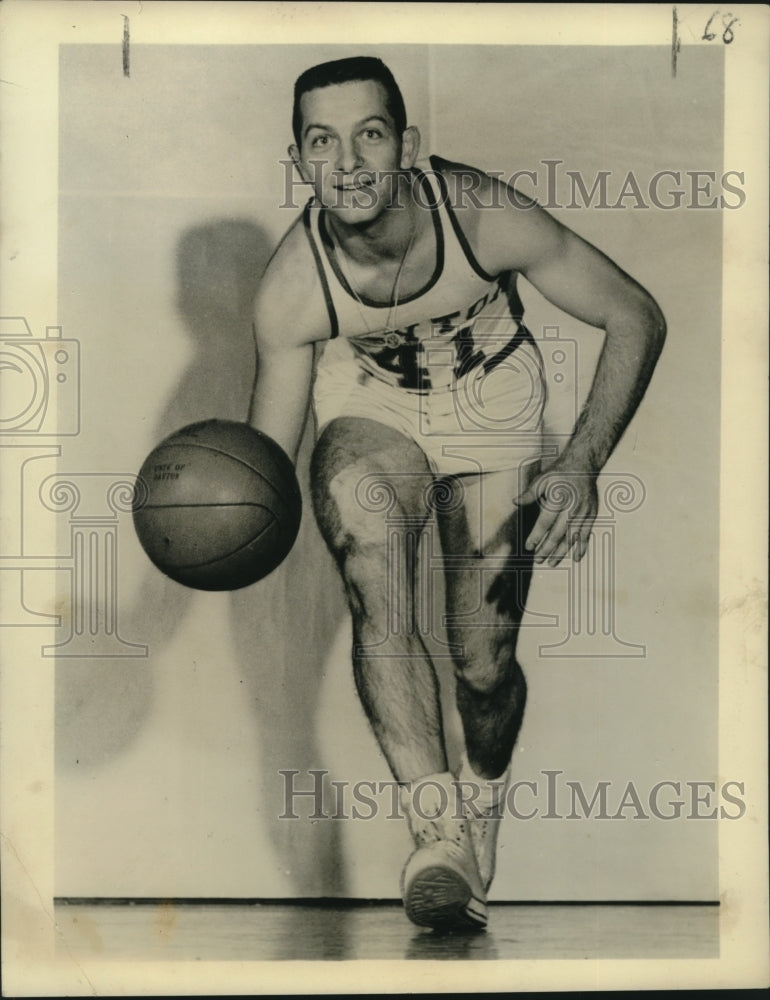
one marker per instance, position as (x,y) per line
(346,71)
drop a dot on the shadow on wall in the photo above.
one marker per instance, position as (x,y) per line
(282,626)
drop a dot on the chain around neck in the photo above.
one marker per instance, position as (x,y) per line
(392,309)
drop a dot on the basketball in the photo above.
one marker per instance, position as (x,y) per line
(217,505)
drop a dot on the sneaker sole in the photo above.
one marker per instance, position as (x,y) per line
(440,897)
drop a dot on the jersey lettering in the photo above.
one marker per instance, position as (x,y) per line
(444,323)
(476,308)
(468,357)
(404,360)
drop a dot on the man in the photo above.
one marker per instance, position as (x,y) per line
(392,301)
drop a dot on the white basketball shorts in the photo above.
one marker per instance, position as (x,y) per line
(485,421)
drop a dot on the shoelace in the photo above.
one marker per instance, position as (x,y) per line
(431,832)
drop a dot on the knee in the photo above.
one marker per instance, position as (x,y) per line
(508,693)
(358,509)
(485,668)
(358,537)
(355,531)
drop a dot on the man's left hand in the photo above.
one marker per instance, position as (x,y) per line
(569,502)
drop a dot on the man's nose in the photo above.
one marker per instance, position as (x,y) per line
(348,158)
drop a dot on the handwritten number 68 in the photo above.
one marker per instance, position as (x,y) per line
(727,23)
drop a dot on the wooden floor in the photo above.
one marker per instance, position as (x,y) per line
(336,930)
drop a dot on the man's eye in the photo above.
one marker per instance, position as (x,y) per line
(373,133)
(319,141)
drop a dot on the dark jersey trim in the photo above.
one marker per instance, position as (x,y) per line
(437,271)
(462,239)
(522,336)
(335,329)
(509,283)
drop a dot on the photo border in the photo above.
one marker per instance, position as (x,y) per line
(31,35)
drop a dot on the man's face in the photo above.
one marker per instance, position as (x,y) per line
(350,150)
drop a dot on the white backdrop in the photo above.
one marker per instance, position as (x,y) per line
(167,775)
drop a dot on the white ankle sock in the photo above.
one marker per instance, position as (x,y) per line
(491,790)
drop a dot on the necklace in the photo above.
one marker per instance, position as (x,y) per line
(391,337)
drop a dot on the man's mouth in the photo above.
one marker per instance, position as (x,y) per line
(358,182)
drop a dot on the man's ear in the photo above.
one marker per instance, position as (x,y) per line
(295,158)
(410,147)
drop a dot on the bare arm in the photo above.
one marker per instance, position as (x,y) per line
(281,399)
(635,331)
(582,281)
(285,327)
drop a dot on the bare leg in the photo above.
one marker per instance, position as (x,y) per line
(370,489)
(488,573)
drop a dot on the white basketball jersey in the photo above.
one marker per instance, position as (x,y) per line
(462,318)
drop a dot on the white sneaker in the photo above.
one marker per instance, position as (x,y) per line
(484,830)
(440,884)
(484,825)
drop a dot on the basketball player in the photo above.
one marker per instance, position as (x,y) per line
(391,302)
